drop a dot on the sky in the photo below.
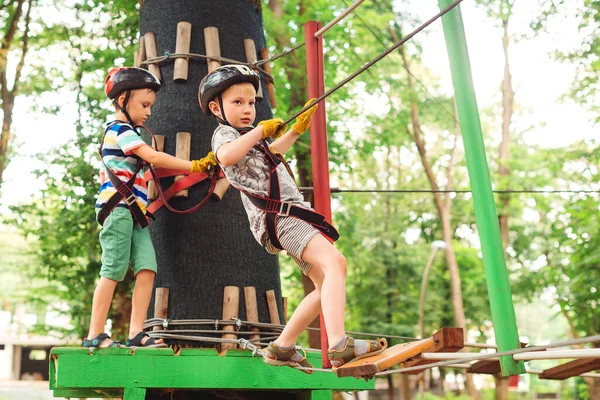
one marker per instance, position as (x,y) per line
(538,79)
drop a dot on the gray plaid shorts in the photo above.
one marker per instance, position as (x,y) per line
(294,235)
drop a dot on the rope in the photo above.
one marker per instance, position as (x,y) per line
(542,191)
(571,342)
(376,59)
(255,64)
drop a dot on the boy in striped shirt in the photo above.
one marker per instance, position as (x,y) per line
(123,238)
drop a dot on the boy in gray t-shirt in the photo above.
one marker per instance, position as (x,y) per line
(278,216)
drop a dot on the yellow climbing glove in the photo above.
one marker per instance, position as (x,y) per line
(204,163)
(303,121)
(272,127)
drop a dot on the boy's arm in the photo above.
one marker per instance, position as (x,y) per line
(160,159)
(230,153)
(285,141)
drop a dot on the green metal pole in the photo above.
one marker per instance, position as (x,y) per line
(496,274)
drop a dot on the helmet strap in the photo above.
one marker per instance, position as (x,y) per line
(123,108)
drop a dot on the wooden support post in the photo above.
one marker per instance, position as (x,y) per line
(231,304)
(446,338)
(220,189)
(136,56)
(151,52)
(251,310)
(161,305)
(152,189)
(182,45)
(213,48)
(273,311)
(572,368)
(264,55)
(251,57)
(182,151)
(285,308)
(141,53)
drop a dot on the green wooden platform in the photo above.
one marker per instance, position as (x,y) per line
(74,372)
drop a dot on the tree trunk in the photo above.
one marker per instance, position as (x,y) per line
(8,95)
(501,388)
(504,153)
(199,254)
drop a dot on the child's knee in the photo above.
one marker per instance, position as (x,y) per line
(145,275)
(337,264)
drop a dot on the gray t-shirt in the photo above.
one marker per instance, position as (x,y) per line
(251,174)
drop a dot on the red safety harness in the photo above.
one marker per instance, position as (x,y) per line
(124,190)
(274,207)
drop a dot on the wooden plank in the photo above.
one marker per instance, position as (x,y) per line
(231,306)
(83,372)
(491,367)
(220,189)
(251,311)
(213,47)
(448,340)
(184,142)
(161,305)
(141,53)
(572,368)
(182,45)
(151,52)
(250,49)
(152,190)
(264,55)
(272,304)
(391,356)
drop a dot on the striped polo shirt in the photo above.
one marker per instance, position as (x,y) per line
(117,153)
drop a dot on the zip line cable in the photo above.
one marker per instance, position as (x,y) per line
(435,100)
(375,60)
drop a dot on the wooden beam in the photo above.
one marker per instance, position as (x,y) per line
(161,305)
(213,47)
(152,189)
(444,339)
(151,52)
(251,57)
(182,151)
(182,45)
(251,310)
(491,367)
(572,368)
(264,55)
(272,304)
(231,306)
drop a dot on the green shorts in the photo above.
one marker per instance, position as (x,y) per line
(123,242)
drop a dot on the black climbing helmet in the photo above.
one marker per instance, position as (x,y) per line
(121,79)
(221,79)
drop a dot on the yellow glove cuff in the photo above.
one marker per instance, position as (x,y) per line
(303,121)
(272,127)
(204,163)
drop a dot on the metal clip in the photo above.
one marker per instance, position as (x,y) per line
(282,206)
(216,324)
(165,323)
(130,200)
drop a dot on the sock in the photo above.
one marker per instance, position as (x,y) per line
(340,345)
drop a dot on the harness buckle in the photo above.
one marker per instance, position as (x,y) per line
(130,200)
(282,207)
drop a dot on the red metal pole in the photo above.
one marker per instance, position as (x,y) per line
(318,141)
